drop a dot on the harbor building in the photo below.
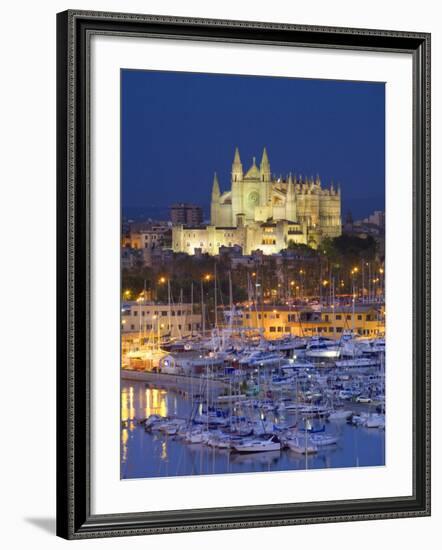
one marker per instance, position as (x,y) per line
(279,321)
(263,212)
(145,320)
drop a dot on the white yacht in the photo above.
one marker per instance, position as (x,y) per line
(301,445)
(358,362)
(323,440)
(196,436)
(271,443)
(340,414)
(322,348)
(262,358)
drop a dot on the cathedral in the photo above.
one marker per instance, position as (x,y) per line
(262,212)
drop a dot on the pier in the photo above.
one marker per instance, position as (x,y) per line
(183,384)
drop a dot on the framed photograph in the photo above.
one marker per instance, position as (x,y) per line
(243,274)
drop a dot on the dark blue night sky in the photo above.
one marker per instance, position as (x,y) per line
(178,128)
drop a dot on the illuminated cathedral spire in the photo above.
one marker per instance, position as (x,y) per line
(215,188)
(237,172)
(265,167)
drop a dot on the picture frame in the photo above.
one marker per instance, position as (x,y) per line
(74,517)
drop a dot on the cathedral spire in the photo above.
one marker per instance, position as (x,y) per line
(265,159)
(215,187)
(290,202)
(237,172)
(265,166)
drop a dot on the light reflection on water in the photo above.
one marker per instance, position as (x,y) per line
(157,455)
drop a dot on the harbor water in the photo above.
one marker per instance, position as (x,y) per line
(154,454)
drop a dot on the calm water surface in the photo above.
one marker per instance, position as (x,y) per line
(157,455)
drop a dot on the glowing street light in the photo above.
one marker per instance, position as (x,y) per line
(162,280)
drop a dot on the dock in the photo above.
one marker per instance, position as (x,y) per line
(182,384)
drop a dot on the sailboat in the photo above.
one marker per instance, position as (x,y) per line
(258,445)
(301,445)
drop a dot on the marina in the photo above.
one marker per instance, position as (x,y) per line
(253,408)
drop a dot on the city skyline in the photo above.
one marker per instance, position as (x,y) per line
(176,124)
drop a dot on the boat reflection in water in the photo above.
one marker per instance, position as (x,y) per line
(164,451)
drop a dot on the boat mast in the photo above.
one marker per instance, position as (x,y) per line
(203,318)
(216,299)
(144,303)
(230,300)
(169,310)
(191,308)
(353,308)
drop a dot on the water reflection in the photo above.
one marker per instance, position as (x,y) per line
(158,455)
(124,439)
(127,404)
(155,402)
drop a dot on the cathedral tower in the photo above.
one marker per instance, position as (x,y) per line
(265,167)
(237,172)
(265,177)
(237,187)
(290,203)
(214,205)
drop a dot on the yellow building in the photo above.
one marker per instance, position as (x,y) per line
(150,319)
(263,212)
(279,321)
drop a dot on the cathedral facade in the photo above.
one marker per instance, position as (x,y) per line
(262,212)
